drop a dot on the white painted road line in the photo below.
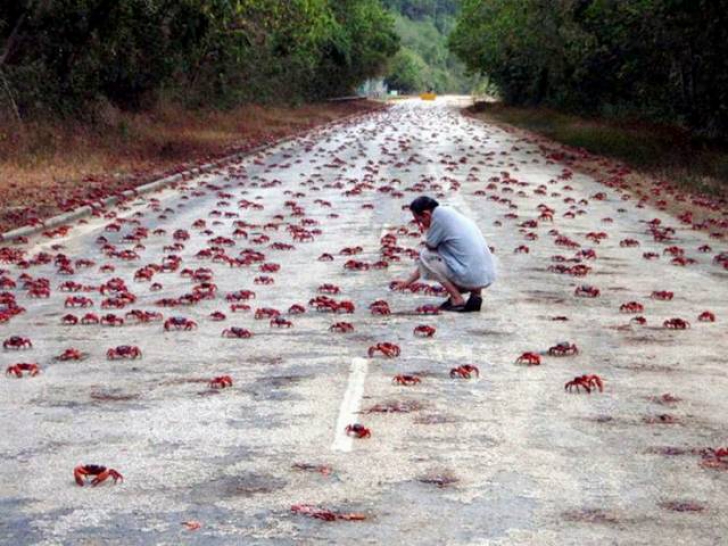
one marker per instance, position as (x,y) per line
(350,406)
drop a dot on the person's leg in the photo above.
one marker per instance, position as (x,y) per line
(432,267)
(456,298)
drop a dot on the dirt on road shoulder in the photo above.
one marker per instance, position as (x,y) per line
(51,167)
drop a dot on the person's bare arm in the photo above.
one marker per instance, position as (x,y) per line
(401,285)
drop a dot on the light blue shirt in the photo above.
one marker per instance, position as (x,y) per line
(460,243)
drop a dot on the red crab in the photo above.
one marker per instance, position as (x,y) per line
(112,320)
(631,307)
(282,246)
(380,308)
(674,251)
(71,354)
(389,350)
(351,250)
(325,258)
(638,320)
(17,342)
(345,306)
(358,431)
(124,351)
(90,318)
(144,317)
(280,322)
(586,291)
(329,289)
(296,309)
(587,254)
(563,349)
(714,458)
(530,359)
(69,320)
(466,371)
(587,382)
(302,236)
(144,274)
(341,327)
(269,268)
(101,474)
(662,295)
(676,324)
(237,333)
(706,316)
(424,330)
(407,380)
(39,292)
(596,237)
(325,515)
(179,323)
(355,265)
(221,382)
(181,235)
(218,316)
(19,369)
(427,310)
(240,295)
(266,313)
(68,286)
(579,270)
(78,301)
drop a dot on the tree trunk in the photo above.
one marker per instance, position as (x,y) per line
(12,39)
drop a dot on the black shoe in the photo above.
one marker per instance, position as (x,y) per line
(445,305)
(473,304)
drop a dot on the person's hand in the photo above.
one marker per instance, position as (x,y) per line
(398,285)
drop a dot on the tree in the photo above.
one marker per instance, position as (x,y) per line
(66,55)
(408,72)
(659,59)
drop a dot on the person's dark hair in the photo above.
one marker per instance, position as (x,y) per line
(423,203)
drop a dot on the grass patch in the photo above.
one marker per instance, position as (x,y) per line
(662,151)
(44,163)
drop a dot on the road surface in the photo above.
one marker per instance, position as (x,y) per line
(507,458)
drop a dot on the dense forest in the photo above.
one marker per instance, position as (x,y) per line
(65,56)
(424,60)
(663,60)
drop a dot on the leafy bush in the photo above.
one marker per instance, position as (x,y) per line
(65,55)
(423,26)
(659,59)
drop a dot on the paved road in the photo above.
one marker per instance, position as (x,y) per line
(509,458)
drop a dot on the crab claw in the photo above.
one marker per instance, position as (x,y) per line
(78,474)
(109,473)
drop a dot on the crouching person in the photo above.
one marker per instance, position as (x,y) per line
(455,255)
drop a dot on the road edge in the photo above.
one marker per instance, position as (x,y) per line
(14,235)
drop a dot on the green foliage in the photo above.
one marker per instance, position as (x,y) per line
(408,72)
(364,41)
(65,55)
(423,26)
(659,59)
